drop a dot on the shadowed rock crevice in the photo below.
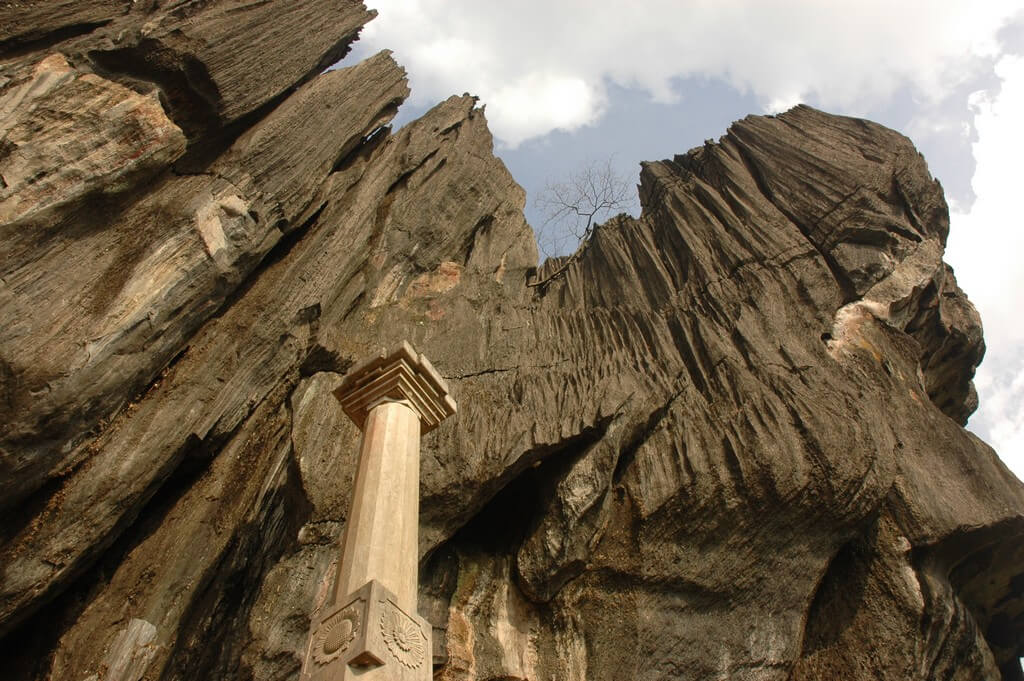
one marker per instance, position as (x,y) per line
(364,149)
(836,599)
(640,436)
(26,45)
(186,90)
(878,578)
(213,633)
(989,585)
(513,511)
(35,26)
(54,618)
(187,466)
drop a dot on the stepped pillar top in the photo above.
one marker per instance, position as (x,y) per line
(401,374)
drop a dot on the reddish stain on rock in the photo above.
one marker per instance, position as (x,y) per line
(445,278)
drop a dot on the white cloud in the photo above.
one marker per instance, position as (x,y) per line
(1000,420)
(541,66)
(938,124)
(986,249)
(781,103)
(543,101)
(544,65)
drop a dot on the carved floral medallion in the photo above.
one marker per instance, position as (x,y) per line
(404,639)
(335,635)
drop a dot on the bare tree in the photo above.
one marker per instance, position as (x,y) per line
(572,209)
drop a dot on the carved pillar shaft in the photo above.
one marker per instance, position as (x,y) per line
(369,629)
(382,531)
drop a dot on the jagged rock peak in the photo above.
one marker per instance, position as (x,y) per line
(725,443)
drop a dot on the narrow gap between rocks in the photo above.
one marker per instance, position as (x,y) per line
(516,508)
(503,522)
(994,598)
(187,92)
(368,144)
(21,45)
(627,454)
(835,600)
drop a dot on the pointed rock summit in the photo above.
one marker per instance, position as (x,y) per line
(726,442)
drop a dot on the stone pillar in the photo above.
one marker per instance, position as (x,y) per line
(370,629)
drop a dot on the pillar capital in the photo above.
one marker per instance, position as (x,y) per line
(402,374)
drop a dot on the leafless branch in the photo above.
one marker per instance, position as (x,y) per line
(573,208)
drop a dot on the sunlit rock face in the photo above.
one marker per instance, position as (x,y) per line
(725,443)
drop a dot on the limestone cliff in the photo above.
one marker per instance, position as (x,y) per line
(726,443)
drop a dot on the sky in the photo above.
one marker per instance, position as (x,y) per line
(570,82)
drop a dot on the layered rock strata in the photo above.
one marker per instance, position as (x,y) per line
(727,442)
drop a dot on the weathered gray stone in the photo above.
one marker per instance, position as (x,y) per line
(70,135)
(101,313)
(726,443)
(22,21)
(215,62)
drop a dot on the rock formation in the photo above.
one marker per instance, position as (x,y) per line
(726,443)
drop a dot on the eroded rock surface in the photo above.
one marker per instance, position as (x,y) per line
(725,443)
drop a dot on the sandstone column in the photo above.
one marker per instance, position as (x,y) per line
(370,629)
